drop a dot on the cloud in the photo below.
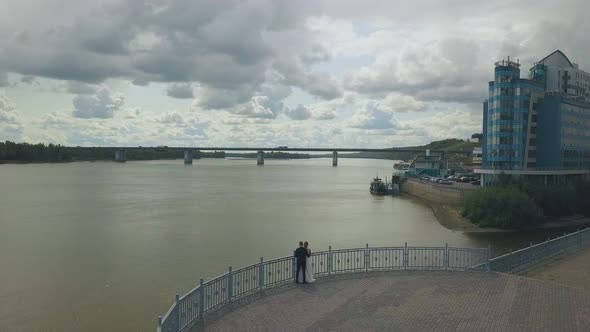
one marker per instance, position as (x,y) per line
(181,91)
(372,118)
(298,113)
(29,79)
(80,88)
(402,104)
(4,80)
(262,107)
(7,110)
(101,105)
(248,62)
(132,113)
(173,117)
(11,126)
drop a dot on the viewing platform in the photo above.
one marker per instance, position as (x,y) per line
(389,288)
(413,301)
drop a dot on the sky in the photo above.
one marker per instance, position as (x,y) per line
(266,73)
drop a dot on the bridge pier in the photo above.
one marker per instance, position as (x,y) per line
(334,158)
(120,156)
(260,158)
(188,157)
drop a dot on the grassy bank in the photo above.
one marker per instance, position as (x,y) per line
(450,217)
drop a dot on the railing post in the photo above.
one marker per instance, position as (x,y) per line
(261,274)
(405,256)
(488,260)
(446,257)
(176,326)
(367,257)
(329,260)
(294,268)
(230,285)
(159,329)
(201,299)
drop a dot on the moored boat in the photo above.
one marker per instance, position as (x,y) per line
(378,187)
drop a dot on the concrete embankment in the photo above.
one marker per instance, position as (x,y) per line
(437,193)
(445,202)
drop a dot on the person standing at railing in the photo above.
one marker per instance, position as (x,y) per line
(308,270)
(301,257)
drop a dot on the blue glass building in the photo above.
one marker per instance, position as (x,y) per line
(538,126)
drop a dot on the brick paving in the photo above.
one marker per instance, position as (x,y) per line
(413,301)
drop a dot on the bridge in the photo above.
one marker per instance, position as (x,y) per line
(120,155)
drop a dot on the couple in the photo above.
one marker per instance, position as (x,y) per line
(303,256)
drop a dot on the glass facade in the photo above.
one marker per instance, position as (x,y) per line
(526,127)
(507,120)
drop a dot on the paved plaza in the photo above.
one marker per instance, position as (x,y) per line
(413,301)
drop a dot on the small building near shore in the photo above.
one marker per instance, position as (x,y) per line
(427,164)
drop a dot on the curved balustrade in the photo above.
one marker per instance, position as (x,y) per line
(213,294)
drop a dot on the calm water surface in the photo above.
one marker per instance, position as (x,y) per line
(105,246)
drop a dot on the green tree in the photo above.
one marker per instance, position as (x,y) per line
(502,207)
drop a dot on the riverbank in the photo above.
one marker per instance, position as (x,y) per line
(571,270)
(449,216)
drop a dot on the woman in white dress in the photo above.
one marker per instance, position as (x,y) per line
(308,269)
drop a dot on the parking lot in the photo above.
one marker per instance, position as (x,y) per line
(451,183)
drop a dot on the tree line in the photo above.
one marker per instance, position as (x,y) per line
(54,153)
(523,204)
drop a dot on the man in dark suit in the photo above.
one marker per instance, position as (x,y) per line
(301,256)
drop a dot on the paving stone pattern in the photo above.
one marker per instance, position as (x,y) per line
(414,301)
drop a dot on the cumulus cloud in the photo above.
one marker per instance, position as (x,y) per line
(262,107)
(248,59)
(173,117)
(7,110)
(298,113)
(373,118)
(181,91)
(11,126)
(132,113)
(101,105)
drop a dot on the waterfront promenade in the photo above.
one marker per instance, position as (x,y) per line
(413,301)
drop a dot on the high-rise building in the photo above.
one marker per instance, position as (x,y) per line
(538,126)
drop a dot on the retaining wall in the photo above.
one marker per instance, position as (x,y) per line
(437,193)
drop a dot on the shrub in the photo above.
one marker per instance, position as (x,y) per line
(502,207)
(582,198)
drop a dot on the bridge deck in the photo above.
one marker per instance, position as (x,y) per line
(414,301)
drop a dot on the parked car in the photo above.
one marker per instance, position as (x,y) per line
(446,182)
(476,182)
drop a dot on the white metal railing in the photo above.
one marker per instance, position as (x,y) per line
(189,309)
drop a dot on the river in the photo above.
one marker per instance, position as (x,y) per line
(105,246)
